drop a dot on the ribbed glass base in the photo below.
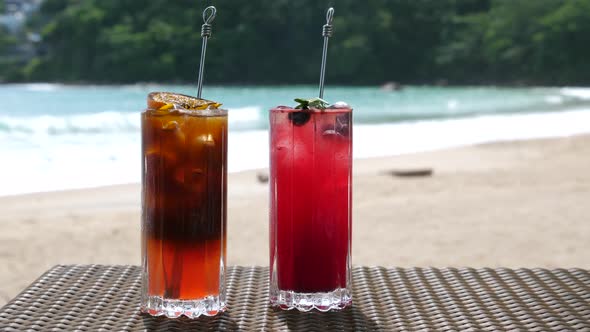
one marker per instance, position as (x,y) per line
(158,306)
(334,300)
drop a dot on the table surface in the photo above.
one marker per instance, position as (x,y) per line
(98,297)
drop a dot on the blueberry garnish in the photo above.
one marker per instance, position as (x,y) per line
(299,118)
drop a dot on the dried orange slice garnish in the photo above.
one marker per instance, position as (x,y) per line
(167,100)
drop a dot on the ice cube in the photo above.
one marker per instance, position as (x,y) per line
(160,165)
(339,128)
(206,139)
(170,125)
(343,124)
(331,132)
(339,104)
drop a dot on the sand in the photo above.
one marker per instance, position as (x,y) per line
(512,204)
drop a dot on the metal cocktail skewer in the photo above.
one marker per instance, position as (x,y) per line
(205,33)
(327,33)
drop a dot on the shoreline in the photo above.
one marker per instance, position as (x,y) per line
(513,204)
(50,151)
(405,138)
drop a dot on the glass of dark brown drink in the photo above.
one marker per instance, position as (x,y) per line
(184,180)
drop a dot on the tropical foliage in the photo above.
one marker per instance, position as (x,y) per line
(279,41)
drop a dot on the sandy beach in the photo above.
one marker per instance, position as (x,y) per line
(513,204)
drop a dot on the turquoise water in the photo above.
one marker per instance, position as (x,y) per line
(249,104)
(57,137)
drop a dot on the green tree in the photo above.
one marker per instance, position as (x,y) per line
(268,42)
(9,62)
(562,45)
(541,41)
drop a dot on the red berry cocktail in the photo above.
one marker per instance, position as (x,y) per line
(310,207)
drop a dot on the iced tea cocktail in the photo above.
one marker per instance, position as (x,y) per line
(184,177)
(310,209)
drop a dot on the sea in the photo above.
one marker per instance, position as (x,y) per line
(57,137)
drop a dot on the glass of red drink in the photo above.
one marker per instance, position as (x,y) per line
(310,207)
(184,180)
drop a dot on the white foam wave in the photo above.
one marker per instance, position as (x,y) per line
(581,93)
(413,137)
(249,150)
(245,118)
(42,87)
(107,122)
(104,122)
(555,100)
(57,162)
(244,114)
(452,104)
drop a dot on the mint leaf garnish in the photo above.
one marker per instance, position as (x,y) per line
(311,103)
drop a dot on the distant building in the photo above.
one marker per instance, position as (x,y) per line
(16,13)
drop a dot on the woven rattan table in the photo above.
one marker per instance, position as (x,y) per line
(95,297)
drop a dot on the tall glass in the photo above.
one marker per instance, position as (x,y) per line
(310,208)
(184,177)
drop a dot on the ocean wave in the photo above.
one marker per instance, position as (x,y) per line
(246,118)
(554,100)
(427,135)
(243,118)
(97,160)
(42,87)
(579,93)
(63,117)
(104,122)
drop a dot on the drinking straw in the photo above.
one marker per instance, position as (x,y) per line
(172,286)
(327,33)
(208,16)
